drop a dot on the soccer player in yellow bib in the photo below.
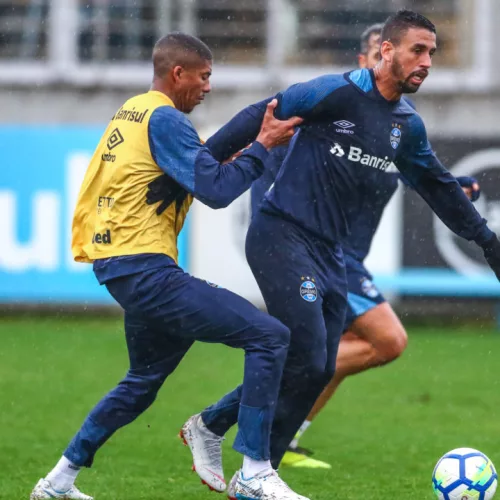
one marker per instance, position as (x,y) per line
(133,247)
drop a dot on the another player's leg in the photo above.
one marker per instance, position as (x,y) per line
(253,480)
(297,398)
(153,356)
(353,355)
(237,323)
(187,310)
(375,337)
(296,272)
(279,276)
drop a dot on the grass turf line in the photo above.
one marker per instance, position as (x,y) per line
(383,432)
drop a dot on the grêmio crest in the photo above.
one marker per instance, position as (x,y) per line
(395,137)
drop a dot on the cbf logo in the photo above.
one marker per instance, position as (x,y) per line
(308,290)
(395,135)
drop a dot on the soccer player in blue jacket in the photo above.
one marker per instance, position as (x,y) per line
(373,334)
(356,130)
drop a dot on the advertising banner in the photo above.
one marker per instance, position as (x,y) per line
(442,262)
(40,175)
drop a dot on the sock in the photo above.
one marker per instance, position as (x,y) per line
(252,467)
(300,433)
(63,475)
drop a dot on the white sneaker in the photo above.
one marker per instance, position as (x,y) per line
(206,448)
(264,486)
(43,490)
(231,487)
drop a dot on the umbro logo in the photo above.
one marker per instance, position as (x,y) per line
(337,150)
(344,124)
(344,127)
(114,139)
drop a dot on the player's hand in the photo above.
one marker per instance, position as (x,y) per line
(274,132)
(491,251)
(470,186)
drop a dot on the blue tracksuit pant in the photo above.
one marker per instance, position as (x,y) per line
(302,279)
(166,310)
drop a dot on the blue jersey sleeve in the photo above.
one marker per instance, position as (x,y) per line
(239,132)
(440,190)
(178,151)
(303,99)
(264,182)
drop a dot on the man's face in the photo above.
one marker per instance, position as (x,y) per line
(411,60)
(192,84)
(372,56)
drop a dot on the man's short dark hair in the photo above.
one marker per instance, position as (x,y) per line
(178,49)
(373,30)
(397,25)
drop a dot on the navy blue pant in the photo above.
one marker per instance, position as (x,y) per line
(166,310)
(303,282)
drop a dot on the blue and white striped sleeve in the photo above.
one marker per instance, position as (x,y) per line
(176,148)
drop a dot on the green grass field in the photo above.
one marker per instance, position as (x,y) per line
(383,432)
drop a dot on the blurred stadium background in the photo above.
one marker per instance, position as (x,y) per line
(65,67)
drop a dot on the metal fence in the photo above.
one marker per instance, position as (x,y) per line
(255,42)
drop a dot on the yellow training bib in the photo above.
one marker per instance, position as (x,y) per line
(111,216)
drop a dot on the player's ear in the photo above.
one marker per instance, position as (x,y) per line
(361,60)
(387,50)
(177,72)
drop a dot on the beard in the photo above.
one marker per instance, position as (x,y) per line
(404,84)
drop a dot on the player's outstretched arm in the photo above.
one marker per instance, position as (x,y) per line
(470,186)
(441,191)
(178,151)
(302,99)
(239,132)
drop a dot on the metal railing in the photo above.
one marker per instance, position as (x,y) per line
(255,42)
